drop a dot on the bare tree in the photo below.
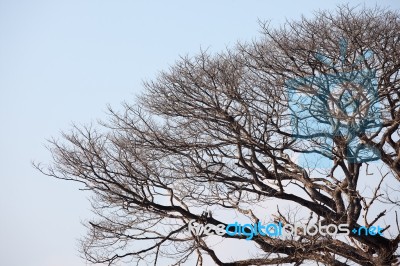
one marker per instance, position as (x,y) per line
(308,115)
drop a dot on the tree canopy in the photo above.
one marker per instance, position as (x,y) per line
(301,125)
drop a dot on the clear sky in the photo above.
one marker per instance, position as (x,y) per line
(63,62)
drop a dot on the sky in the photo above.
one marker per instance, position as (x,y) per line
(63,62)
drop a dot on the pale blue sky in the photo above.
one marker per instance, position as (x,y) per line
(63,62)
